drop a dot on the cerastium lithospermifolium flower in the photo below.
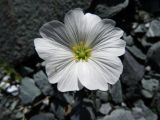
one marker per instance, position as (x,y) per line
(81,52)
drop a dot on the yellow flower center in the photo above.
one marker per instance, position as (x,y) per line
(81,52)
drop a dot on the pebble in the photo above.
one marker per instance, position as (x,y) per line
(102,95)
(28,91)
(105,108)
(43,116)
(116,93)
(119,114)
(154,29)
(41,81)
(148,114)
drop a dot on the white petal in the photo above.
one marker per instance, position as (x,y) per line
(91,20)
(110,65)
(111,43)
(69,78)
(74,23)
(55,31)
(101,29)
(56,57)
(55,69)
(91,76)
(49,50)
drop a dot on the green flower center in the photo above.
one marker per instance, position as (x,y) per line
(81,52)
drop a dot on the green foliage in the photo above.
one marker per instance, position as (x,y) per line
(9,70)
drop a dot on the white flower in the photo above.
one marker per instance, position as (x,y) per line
(81,52)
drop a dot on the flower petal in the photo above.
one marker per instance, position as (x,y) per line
(69,78)
(74,23)
(49,50)
(105,37)
(91,20)
(112,43)
(55,31)
(91,76)
(101,29)
(56,57)
(110,65)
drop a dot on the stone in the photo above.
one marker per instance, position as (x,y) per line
(156,102)
(4,85)
(128,39)
(41,81)
(107,11)
(136,52)
(148,114)
(43,116)
(20,26)
(102,95)
(68,98)
(83,113)
(140,29)
(138,113)
(105,108)
(116,93)
(97,104)
(132,74)
(19,115)
(153,56)
(146,93)
(150,85)
(154,29)
(28,91)
(133,71)
(58,110)
(13,105)
(119,114)
(24,70)
(12,89)
(6,78)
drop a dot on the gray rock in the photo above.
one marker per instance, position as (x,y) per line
(28,91)
(24,70)
(105,108)
(13,105)
(130,76)
(102,95)
(116,93)
(97,104)
(138,113)
(83,113)
(43,116)
(58,110)
(13,90)
(68,98)
(156,102)
(150,85)
(129,40)
(105,11)
(141,29)
(148,114)
(137,52)
(154,29)
(20,26)
(41,81)
(146,93)
(153,56)
(19,115)
(119,114)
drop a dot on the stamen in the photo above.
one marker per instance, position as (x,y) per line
(81,52)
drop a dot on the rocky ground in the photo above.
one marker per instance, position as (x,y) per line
(26,94)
